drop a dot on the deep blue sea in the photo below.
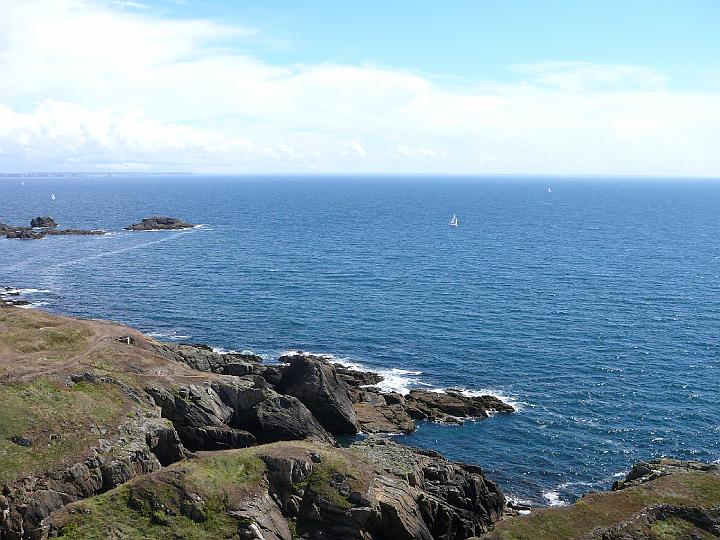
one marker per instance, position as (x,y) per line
(594,307)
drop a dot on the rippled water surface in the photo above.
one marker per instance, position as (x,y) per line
(593,307)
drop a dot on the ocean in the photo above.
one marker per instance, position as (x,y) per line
(593,307)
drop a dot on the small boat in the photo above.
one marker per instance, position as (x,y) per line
(52,196)
(22,182)
(549,190)
(454,221)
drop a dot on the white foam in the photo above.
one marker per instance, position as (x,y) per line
(15,291)
(553,498)
(168,335)
(33,305)
(223,350)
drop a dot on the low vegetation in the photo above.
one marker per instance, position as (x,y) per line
(33,332)
(604,510)
(192,500)
(59,422)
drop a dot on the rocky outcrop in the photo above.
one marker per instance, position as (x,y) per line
(147,444)
(43,222)
(175,402)
(204,358)
(156,223)
(452,405)
(660,499)
(314,382)
(645,471)
(305,491)
(42,227)
(235,414)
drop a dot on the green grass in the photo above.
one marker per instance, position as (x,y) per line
(189,500)
(30,333)
(321,481)
(40,409)
(609,509)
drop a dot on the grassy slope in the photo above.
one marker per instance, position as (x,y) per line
(159,505)
(58,419)
(190,501)
(612,508)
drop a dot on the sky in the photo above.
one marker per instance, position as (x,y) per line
(608,87)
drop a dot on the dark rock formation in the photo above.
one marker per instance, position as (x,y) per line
(314,382)
(45,229)
(159,223)
(302,491)
(283,418)
(74,232)
(27,503)
(25,234)
(43,222)
(452,405)
(645,471)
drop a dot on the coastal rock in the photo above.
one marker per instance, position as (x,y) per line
(159,223)
(452,405)
(24,505)
(74,232)
(43,222)
(308,491)
(283,418)
(25,234)
(314,382)
(646,471)
(660,499)
(203,358)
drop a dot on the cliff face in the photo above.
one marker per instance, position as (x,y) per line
(105,433)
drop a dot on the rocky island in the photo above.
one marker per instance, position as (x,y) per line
(40,227)
(106,433)
(159,223)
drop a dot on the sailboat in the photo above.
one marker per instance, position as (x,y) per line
(454,221)
(549,190)
(22,182)
(52,196)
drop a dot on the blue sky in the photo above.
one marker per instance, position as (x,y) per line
(474,39)
(555,87)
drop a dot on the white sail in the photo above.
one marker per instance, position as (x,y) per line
(454,221)
(52,196)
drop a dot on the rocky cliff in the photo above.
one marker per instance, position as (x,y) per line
(106,433)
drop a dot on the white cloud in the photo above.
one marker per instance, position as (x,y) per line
(87,85)
(409,151)
(356,148)
(577,76)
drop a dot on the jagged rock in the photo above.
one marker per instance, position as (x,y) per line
(43,222)
(214,438)
(159,223)
(203,358)
(383,418)
(645,471)
(74,232)
(285,418)
(25,234)
(273,374)
(25,504)
(354,377)
(452,405)
(314,382)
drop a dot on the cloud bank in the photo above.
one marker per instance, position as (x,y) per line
(89,85)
